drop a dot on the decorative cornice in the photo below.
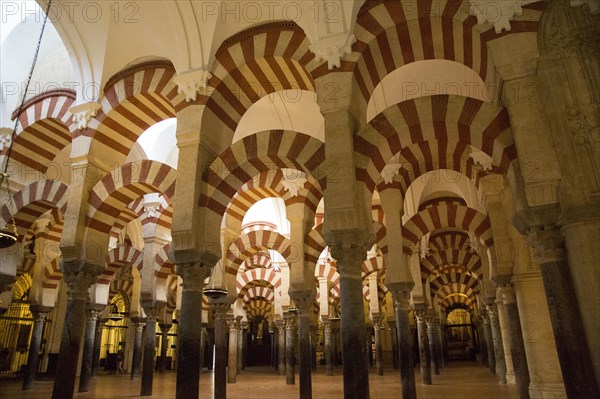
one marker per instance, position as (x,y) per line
(333,49)
(83,114)
(191,84)
(389,171)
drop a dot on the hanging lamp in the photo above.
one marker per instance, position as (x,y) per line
(9,233)
(214,290)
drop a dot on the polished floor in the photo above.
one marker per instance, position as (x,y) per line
(458,380)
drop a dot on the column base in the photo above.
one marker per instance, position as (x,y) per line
(547,391)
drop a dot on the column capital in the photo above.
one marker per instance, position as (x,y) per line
(193,275)
(492,309)
(349,248)
(192,83)
(152,309)
(402,299)
(220,309)
(40,313)
(164,327)
(92,314)
(304,300)
(233,325)
(280,324)
(290,323)
(507,293)
(84,113)
(79,277)
(548,242)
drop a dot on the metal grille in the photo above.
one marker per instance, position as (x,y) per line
(15,334)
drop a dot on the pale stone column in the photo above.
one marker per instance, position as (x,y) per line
(88,349)
(149,350)
(497,339)
(220,311)
(245,327)
(489,341)
(401,302)
(232,360)
(97,343)
(378,326)
(40,314)
(136,361)
(433,350)
(313,347)
(538,338)
(304,301)
(240,348)
(79,277)
(290,346)
(515,336)
(164,330)
(280,347)
(328,349)
(424,354)
(189,333)
(504,328)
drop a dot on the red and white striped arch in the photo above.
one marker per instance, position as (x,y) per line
(391,34)
(261,259)
(381,292)
(253,242)
(258,292)
(34,200)
(373,265)
(44,130)
(439,130)
(171,294)
(134,99)
(458,298)
(118,257)
(268,276)
(454,289)
(444,215)
(252,64)
(434,263)
(314,244)
(380,237)
(258,307)
(136,210)
(123,287)
(326,271)
(115,191)
(165,268)
(258,153)
(452,277)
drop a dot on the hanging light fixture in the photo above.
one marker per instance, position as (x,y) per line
(293,309)
(9,234)
(214,290)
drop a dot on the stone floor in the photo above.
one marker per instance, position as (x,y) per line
(459,380)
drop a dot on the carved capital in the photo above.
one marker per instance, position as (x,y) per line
(83,114)
(5,139)
(389,171)
(327,326)
(507,293)
(482,160)
(152,309)
(193,83)
(92,314)
(349,248)
(193,275)
(304,300)
(492,309)
(498,13)
(290,323)
(79,277)
(402,299)
(333,49)
(233,325)
(40,313)
(293,184)
(220,309)
(548,242)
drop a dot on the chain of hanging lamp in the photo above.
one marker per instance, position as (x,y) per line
(9,235)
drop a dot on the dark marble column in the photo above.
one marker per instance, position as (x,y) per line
(40,314)
(407,375)
(136,360)
(203,344)
(354,354)
(97,343)
(482,342)
(220,311)
(328,347)
(517,346)
(245,346)
(240,344)
(189,330)
(305,302)
(433,353)
(313,347)
(211,347)
(378,328)
(290,349)
(394,338)
(497,339)
(424,354)
(280,347)
(88,349)
(234,326)
(487,333)
(149,351)
(569,334)
(79,277)
(164,330)
(439,341)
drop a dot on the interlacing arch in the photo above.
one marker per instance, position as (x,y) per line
(134,99)
(448,121)
(252,64)
(444,215)
(115,191)
(32,201)
(45,127)
(118,257)
(391,34)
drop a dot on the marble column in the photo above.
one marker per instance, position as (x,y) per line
(88,349)
(439,339)
(407,375)
(498,345)
(40,314)
(203,344)
(148,351)
(504,329)
(481,341)
(136,360)
(569,334)
(240,348)
(164,330)
(378,327)
(79,277)
(245,345)
(394,339)
(313,347)
(369,345)
(280,347)
(354,354)
(210,337)
(234,326)
(424,354)
(290,349)
(305,304)
(220,311)
(189,331)
(433,350)
(487,333)
(97,343)
(515,336)
(328,347)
